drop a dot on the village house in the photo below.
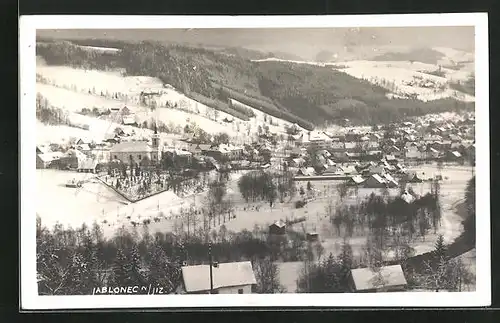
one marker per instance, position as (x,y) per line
(454,156)
(412,177)
(355,180)
(351,146)
(432,153)
(407,197)
(384,279)
(125,110)
(297,140)
(129,120)
(391,160)
(306,171)
(312,236)
(48,159)
(375,137)
(220,154)
(178,157)
(338,146)
(333,171)
(87,165)
(349,170)
(297,162)
(375,181)
(389,180)
(224,152)
(296,152)
(111,138)
(82,141)
(265,152)
(198,149)
(71,159)
(318,140)
(277,228)
(393,150)
(373,169)
(235,152)
(101,153)
(372,145)
(412,151)
(227,278)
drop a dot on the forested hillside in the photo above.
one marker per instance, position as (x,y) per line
(304,94)
(424,55)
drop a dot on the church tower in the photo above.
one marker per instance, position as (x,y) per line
(155,143)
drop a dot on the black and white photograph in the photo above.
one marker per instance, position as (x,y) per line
(171,161)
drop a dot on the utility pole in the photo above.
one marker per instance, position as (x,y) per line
(210,260)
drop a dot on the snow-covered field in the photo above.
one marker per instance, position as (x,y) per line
(113,81)
(95,202)
(56,203)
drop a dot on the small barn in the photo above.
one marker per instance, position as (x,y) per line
(383,279)
(277,228)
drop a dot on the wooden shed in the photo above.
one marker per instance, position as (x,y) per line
(277,228)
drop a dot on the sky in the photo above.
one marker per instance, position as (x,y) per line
(303,42)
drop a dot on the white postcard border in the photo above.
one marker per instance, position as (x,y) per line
(30,300)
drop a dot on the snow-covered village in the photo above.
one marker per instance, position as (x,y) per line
(236,169)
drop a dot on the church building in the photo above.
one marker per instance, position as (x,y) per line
(138,152)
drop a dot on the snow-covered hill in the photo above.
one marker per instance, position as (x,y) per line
(405,79)
(74,89)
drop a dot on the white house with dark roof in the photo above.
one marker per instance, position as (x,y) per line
(228,278)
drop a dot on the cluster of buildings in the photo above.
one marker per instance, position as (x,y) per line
(239,278)
(448,141)
(381,174)
(129,149)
